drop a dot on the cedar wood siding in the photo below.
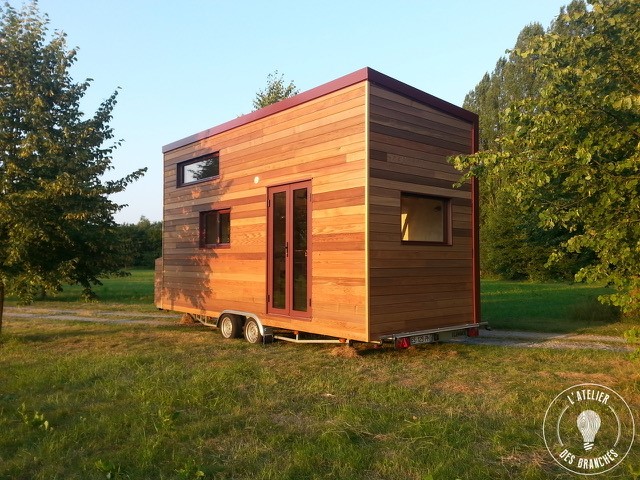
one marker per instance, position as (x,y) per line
(416,287)
(321,140)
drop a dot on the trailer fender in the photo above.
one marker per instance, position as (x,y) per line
(263,330)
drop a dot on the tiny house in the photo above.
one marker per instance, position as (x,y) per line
(333,212)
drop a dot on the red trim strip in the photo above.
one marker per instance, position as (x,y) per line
(475,222)
(333,86)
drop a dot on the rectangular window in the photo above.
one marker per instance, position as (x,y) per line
(215,228)
(198,170)
(424,219)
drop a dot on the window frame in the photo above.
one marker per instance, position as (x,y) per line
(447,227)
(180,182)
(203,228)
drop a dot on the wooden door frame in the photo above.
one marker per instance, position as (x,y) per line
(288,311)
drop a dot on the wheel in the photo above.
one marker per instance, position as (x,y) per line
(230,326)
(252,331)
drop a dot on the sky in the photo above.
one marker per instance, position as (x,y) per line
(183,67)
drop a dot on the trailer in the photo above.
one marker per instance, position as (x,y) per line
(334,213)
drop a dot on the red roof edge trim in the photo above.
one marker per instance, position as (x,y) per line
(330,87)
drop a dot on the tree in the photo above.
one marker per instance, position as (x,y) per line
(577,144)
(513,246)
(275,91)
(56,218)
(142,242)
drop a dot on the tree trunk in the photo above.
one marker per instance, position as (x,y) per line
(1,303)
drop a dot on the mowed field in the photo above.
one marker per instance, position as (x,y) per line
(105,400)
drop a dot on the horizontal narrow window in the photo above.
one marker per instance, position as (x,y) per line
(198,170)
(215,228)
(424,219)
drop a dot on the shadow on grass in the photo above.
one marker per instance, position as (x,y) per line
(437,349)
(547,307)
(48,337)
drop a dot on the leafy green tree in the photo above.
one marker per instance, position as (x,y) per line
(513,244)
(277,89)
(510,245)
(576,145)
(142,242)
(56,218)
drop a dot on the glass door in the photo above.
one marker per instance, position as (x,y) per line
(289,259)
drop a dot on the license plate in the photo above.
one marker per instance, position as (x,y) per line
(420,339)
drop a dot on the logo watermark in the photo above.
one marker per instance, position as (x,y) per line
(588,429)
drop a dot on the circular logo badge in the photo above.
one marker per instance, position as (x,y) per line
(588,429)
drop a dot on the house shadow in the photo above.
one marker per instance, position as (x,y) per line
(183,275)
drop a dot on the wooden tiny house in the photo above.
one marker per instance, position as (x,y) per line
(332,212)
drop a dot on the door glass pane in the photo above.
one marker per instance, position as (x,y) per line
(279,259)
(300,250)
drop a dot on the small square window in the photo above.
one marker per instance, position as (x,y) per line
(215,228)
(198,170)
(424,219)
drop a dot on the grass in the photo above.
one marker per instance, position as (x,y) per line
(180,402)
(549,307)
(545,307)
(135,290)
(95,401)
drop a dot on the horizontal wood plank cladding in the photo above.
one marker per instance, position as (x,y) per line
(419,171)
(429,306)
(333,125)
(412,136)
(321,141)
(288,127)
(396,319)
(240,203)
(265,125)
(419,188)
(424,253)
(411,178)
(406,149)
(382,195)
(399,291)
(409,107)
(416,287)
(385,112)
(386,324)
(339,242)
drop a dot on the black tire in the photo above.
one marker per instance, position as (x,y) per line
(230,326)
(252,331)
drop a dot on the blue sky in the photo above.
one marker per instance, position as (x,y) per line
(187,66)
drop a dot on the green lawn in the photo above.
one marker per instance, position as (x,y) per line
(93,401)
(548,307)
(86,401)
(132,291)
